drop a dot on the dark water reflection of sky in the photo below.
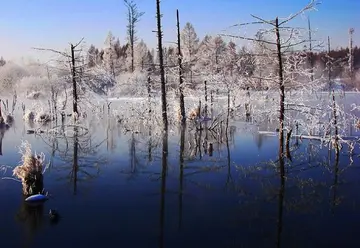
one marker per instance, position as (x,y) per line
(213,203)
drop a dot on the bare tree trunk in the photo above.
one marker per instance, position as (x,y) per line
(162,71)
(149,94)
(212,103)
(206,99)
(75,97)
(287,145)
(150,146)
(336,138)
(281,131)
(329,65)
(281,87)
(228,112)
(181,80)
(351,55)
(191,73)
(1,140)
(132,57)
(311,54)
(133,17)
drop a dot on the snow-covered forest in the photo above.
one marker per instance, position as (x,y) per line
(203,58)
(121,67)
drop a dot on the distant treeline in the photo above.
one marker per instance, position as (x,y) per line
(339,59)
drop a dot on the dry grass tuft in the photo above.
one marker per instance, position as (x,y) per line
(30,170)
(194,113)
(357,125)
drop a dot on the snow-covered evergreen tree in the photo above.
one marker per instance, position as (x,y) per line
(142,58)
(109,57)
(190,45)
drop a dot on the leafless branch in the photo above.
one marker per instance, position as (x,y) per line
(246,38)
(52,50)
(310,6)
(245,24)
(272,22)
(77,44)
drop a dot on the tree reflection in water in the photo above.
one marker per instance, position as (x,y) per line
(72,144)
(164,167)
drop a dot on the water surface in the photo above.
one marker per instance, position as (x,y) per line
(113,187)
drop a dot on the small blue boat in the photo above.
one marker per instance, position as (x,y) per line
(37,198)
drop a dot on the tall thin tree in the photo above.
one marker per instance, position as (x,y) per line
(181,79)
(133,17)
(351,55)
(73,75)
(311,57)
(161,64)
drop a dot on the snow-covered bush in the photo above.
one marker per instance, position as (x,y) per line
(130,85)
(98,81)
(33,84)
(10,74)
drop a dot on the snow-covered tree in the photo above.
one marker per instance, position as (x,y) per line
(117,48)
(190,44)
(231,58)
(211,54)
(92,56)
(109,57)
(133,17)
(143,59)
(2,61)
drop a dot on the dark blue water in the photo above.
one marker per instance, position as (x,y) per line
(122,194)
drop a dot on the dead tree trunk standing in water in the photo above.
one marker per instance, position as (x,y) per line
(162,71)
(328,65)
(206,99)
(334,112)
(149,119)
(336,136)
(311,53)
(73,75)
(281,129)
(212,104)
(281,87)
(181,79)
(149,94)
(1,140)
(351,55)
(282,46)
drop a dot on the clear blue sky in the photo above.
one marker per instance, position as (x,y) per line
(55,23)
